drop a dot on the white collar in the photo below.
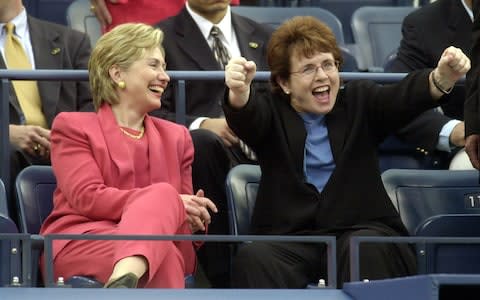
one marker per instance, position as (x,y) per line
(20,22)
(205,26)
(468,9)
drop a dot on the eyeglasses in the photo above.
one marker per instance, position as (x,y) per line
(327,67)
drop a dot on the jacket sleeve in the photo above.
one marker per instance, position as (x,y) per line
(472,103)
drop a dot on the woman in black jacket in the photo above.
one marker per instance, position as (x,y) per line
(316,141)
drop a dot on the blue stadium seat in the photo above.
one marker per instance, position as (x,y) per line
(344,10)
(79,17)
(9,258)
(274,16)
(49,10)
(377,33)
(241,186)
(439,203)
(34,187)
(3,199)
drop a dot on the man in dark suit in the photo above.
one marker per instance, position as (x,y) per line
(48,46)
(421,47)
(472,103)
(188,46)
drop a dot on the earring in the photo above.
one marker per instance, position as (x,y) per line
(287,92)
(121,84)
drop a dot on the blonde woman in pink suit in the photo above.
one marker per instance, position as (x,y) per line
(120,171)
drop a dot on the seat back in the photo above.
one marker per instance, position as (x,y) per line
(3,199)
(79,17)
(439,203)
(274,16)
(241,186)
(10,260)
(450,258)
(34,187)
(421,194)
(344,9)
(377,33)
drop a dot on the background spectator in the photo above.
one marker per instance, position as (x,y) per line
(421,48)
(38,44)
(472,105)
(110,13)
(188,46)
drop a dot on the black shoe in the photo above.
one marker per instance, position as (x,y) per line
(127,281)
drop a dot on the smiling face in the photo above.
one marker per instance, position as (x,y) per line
(304,58)
(313,83)
(145,82)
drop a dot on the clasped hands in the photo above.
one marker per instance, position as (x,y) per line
(31,139)
(197,207)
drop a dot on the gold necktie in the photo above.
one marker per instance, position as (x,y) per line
(26,91)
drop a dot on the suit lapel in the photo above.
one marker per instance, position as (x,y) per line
(190,39)
(113,138)
(294,129)
(156,152)
(337,127)
(118,152)
(13,97)
(251,47)
(48,52)
(456,23)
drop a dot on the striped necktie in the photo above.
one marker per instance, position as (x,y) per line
(221,53)
(27,91)
(222,56)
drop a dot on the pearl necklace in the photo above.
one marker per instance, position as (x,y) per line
(134,136)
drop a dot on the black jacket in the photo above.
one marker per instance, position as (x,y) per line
(354,195)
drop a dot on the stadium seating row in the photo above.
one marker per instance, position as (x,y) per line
(34,186)
(368,31)
(432,203)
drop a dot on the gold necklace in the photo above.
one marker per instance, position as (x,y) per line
(134,136)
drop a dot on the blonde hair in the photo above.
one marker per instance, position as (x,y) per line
(122,46)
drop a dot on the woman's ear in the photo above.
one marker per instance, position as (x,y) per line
(284,84)
(115,73)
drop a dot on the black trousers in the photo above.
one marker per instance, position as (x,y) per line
(211,164)
(295,265)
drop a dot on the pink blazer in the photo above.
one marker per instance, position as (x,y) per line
(94,181)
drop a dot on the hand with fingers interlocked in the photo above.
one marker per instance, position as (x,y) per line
(31,139)
(198,209)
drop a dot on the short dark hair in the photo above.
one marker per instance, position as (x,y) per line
(302,35)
